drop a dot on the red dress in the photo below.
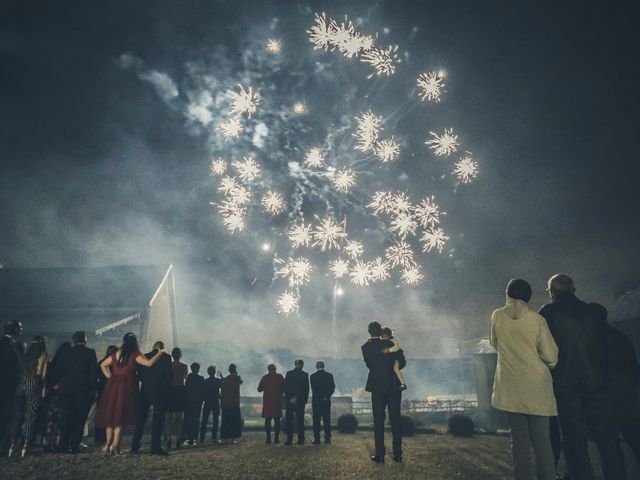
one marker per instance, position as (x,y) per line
(120,396)
(271,385)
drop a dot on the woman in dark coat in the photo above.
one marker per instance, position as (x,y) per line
(271,386)
(230,403)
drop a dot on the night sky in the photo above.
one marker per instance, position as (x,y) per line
(101,166)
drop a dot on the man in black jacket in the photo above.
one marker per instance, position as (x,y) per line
(194,385)
(10,369)
(580,380)
(211,393)
(322,387)
(385,390)
(77,377)
(296,396)
(153,393)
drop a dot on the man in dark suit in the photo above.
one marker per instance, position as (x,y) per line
(580,380)
(296,396)
(385,390)
(10,370)
(77,374)
(322,387)
(194,386)
(153,393)
(211,406)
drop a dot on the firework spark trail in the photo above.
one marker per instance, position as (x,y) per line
(386,150)
(466,169)
(231,128)
(383,61)
(400,203)
(400,254)
(218,166)
(403,224)
(240,195)
(248,169)
(273,202)
(445,144)
(427,212)
(227,185)
(328,234)
(300,235)
(412,275)
(321,33)
(339,267)
(381,202)
(379,270)
(434,238)
(314,158)
(368,127)
(297,270)
(288,302)
(244,101)
(360,273)
(353,248)
(431,85)
(344,179)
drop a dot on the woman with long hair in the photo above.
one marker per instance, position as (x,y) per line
(231,426)
(118,403)
(52,400)
(29,394)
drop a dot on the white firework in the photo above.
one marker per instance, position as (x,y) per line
(321,33)
(300,235)
(381,202)
(386,150)
(360,273)
(344,38)
(299,108)
(412,275)
(353,248)
(227,184)
(248,169)
(244,101)
(403,224)
(328,234)
(400,254)
(240,195)
(218,166)
(400,203)
(233,215)
(339,267)
(231,128)
(288,302)
(466,169)
(273,202)
(368,126)
(384,62)
(379,270)
(344,179)
(434,238)
(314,158)
(431,86)
(445,144)
(274,46)
(298,270)
(427,212)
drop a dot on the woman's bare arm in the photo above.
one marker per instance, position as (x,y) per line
(104,366)
(149,362)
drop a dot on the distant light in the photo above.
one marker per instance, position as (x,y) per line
(339,291)
(266,246)
(299,108)
(274,46)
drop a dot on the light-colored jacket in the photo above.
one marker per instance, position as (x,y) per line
(526,352)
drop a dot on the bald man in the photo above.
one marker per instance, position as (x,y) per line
(580,380)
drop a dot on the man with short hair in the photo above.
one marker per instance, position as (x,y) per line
(77,372)
(195,396)
(10,370)
(580,380)
(211,393)
(386,393)
(322,387)
(296,396)
(154,394)
(271,387)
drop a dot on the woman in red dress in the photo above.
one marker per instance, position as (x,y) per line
(117,406)
(271,386)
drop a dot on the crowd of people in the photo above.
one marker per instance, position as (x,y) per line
(54,396)
(564,375)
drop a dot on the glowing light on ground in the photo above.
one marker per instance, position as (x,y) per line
(288,302)
(466,169)
(300,235)
(431,86)
(434,238)
(344,179)
(244,101)
(273,203)
(445,144)
(218,166)
(328,234)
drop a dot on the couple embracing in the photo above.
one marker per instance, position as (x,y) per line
(385,382)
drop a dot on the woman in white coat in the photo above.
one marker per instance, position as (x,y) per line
(522,386)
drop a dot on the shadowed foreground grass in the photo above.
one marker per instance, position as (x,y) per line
(426,456)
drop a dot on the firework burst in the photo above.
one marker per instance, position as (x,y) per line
(300,235)
(314,158)
(384,62)
(353,248)
(400,203)
(274,46)
(233,215)
(227,185)
(344,179)
(445,144)
(381,202)
(240,195)
(273,202)
(321,33)
(368,126)
(403,224)
(379,270)
(244,101)
(339,267)
(434,238)
(248,169)
(231,128)
(427,212)
(299,108)
(288,302)
(218,167)
(466,169)
(298,270)
(328,234)
(412,275)
(360,274)
(431,86)
(400,254)
(386,150)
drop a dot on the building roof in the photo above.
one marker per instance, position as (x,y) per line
(101,288)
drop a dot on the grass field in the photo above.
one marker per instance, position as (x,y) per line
(433,457)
